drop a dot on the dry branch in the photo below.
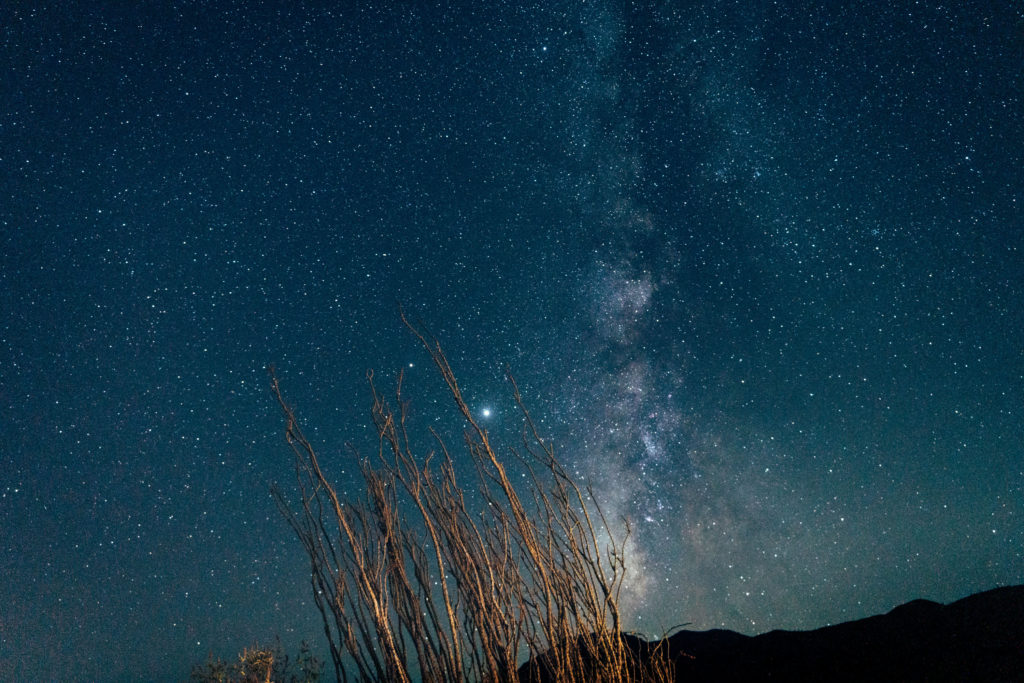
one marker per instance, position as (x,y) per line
(414,584)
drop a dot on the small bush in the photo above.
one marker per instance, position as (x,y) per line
(261,665)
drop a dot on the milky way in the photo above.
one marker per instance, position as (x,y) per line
(757,269)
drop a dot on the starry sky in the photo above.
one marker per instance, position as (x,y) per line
(758,268)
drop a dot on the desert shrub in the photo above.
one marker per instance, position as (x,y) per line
(261,665)
(415,582)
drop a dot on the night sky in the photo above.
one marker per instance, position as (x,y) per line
(758,267)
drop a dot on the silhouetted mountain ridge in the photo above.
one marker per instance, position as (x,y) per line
(978,638)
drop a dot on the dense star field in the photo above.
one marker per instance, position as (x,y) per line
(758,268)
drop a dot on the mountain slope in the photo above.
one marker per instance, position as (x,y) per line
(978,638)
